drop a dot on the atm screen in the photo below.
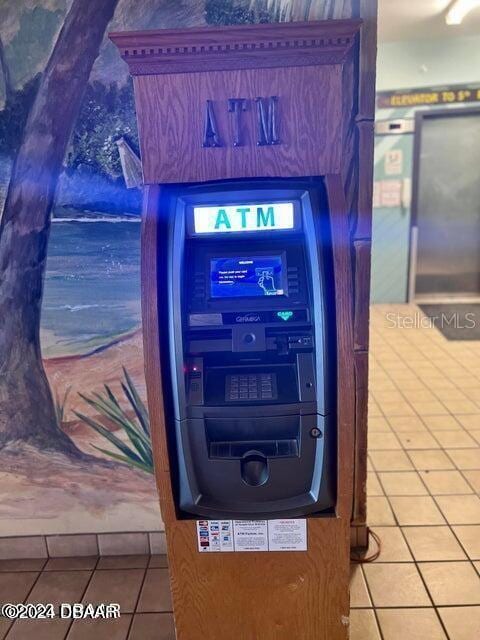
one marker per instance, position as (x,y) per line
(247,277)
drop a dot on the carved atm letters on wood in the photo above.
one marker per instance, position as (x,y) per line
(267,121)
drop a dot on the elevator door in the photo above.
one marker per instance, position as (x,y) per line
(448,206)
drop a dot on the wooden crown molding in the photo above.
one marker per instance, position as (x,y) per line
(237,47)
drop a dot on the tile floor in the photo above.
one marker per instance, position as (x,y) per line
(138,583)
(423,486)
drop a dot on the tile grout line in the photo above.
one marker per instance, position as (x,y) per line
(134,612)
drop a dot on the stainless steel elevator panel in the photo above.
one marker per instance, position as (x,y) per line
(448,206)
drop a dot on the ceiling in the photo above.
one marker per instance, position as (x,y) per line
(419,19)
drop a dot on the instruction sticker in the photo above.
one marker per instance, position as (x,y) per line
(251,535)
(287,535)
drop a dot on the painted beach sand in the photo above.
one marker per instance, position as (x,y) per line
(91,328)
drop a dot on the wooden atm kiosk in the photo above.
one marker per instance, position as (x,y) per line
(255,358)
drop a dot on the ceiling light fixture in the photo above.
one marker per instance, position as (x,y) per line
(459,9)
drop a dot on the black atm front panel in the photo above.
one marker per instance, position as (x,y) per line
(251,375)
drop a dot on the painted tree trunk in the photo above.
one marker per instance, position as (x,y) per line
(27,410)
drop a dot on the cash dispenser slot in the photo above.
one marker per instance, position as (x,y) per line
(242,437)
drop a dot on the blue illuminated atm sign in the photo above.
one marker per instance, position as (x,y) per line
(238,218)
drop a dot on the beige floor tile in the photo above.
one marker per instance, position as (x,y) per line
(152,626)
(54,629)
(451,582)
(113,629)
(445,482)
(14,587)
(396,585)
(411,624)
(451,394)
(429,408)
(70,564)
(475,435)
(373,485)
(363,625)
(469,536)
(430,459)
(400,424)
(358,589)
(461,406)
(60,586)
(402,483)
(461,623)
(379,511)
(116,585)
(155,595)
(382,440)
(473,477)
(374,410)
(470,421)
(402,408)
(387,396)
(465,458)
(158,561)
(440,423)
(22,564)
(416,510)
(460,509)
(390,461)
(123,562)
(418,440)
(411,382)
(433,543)
(419,395)
(457,439)
(393,545)
(377,424)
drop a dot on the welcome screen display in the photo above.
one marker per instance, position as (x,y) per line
(246,277)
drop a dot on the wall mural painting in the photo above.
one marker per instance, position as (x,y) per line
(75,453)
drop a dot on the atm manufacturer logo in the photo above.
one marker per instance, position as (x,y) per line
(251,217)
(248,318)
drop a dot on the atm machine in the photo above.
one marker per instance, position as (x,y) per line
(249,363)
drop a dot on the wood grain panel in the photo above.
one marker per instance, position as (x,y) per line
(362,254)
(262,596)
(344,324)
(368,59)
(171,114)
(366,143)
(361,415)
(255,46)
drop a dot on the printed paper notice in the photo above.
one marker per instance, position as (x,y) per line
(250,535)
(214,535)
(394,162)
(287,535)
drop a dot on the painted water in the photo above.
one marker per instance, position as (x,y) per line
(92,285)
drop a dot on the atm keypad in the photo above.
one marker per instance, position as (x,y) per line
(251,387)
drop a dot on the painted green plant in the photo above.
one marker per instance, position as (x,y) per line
(136,449)
(60,404)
